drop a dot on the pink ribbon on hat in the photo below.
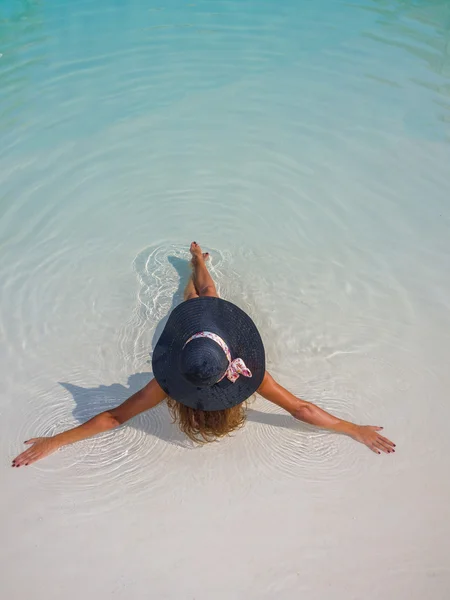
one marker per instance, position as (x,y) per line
(236,367)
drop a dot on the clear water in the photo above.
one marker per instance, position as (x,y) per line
(306,145)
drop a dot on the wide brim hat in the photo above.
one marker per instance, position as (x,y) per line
(240,334)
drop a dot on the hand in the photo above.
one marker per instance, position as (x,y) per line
(368,435)
(40,447)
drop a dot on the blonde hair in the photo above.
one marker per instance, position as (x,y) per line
(203,426)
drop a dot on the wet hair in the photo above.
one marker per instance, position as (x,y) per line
(203,426)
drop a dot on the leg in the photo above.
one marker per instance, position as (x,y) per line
(190,291)
(203,281)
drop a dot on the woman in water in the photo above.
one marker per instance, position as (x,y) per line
(208,361)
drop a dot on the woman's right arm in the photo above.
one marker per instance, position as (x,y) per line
(147,398)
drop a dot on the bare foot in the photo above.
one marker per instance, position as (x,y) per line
(197,253)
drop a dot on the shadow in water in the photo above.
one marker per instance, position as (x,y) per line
(183,269)
(284,421)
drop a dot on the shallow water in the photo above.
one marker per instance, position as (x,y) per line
(306,146)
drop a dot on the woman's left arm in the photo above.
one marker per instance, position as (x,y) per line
(312,414)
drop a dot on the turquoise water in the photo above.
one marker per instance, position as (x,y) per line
(306,145)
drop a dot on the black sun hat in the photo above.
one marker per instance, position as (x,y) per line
(210,355)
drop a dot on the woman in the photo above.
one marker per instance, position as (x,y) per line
(208,361)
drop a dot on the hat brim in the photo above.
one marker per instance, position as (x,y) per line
(235,327)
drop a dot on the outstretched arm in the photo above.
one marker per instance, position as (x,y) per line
(312,414)
(148,397)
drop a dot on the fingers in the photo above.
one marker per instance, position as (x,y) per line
(382,444)
(384,447)
(387,442)
(29,456)
(25,459)
(377,442)
(22,459)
